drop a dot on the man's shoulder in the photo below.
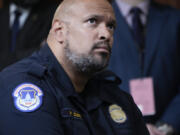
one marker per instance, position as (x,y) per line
(109,82)
(26,69)
(166,9)
(26,73)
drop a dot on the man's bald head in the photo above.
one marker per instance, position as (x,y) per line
(66,8)
(81,35)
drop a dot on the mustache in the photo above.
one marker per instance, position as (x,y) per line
(102,44)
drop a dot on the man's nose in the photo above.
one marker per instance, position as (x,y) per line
(104,32)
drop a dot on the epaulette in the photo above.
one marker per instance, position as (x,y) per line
(37,69)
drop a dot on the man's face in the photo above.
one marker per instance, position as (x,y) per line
(90,35)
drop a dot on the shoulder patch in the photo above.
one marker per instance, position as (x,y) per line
(27,97)
(117,114)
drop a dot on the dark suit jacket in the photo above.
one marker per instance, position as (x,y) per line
(30,36)
(161,60)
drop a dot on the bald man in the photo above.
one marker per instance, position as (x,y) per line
(63,88)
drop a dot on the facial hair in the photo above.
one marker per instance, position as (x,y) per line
(87,63)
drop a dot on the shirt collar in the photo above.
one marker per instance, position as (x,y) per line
(24,13)
(125,7)
(14,7)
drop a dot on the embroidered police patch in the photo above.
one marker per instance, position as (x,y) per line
(27,97)
(117,114)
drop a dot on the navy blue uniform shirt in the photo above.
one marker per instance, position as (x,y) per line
(38,98)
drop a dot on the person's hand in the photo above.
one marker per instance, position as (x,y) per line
(153,130)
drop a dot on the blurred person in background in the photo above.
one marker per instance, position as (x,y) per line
(145,56)
(24,25)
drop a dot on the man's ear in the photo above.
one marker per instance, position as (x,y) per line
(58,30)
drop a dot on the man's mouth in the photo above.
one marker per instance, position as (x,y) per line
(102,48)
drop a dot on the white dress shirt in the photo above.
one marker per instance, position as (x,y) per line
(22,19)
(125,11)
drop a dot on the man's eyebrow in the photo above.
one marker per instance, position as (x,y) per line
(112,20)
(94,16)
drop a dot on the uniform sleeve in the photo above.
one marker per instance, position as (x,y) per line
(42,121)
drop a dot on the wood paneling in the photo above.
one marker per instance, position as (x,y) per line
(1,3)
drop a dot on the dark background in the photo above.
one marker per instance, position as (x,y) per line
(174,3)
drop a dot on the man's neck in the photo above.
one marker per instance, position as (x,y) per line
(79,82)
(132,2)
(77,78)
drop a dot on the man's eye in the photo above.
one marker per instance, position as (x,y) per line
(111,26)
(92,20)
